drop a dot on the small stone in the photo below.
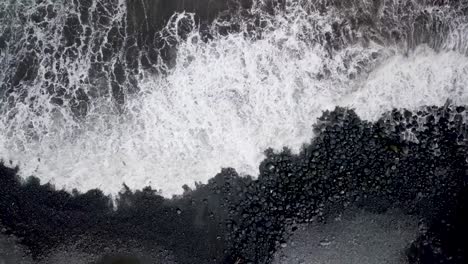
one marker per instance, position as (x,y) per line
(325,243)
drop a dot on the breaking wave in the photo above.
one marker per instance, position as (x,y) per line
(88,103)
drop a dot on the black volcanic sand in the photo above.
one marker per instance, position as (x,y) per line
(351,237)
(415,162)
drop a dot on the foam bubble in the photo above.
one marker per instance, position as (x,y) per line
(224,102)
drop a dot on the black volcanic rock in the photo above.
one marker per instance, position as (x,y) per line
(419,168)
(370,165)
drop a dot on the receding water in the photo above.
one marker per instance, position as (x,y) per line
(76,110)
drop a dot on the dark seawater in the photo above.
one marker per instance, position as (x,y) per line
(233,131)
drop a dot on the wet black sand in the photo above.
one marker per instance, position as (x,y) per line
(232,219)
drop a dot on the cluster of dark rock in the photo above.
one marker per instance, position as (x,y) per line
(375,166)
(412,161)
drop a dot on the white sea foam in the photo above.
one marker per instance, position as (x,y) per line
(223,104)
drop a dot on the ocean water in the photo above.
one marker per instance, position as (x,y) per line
(225,100)
(95,94)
